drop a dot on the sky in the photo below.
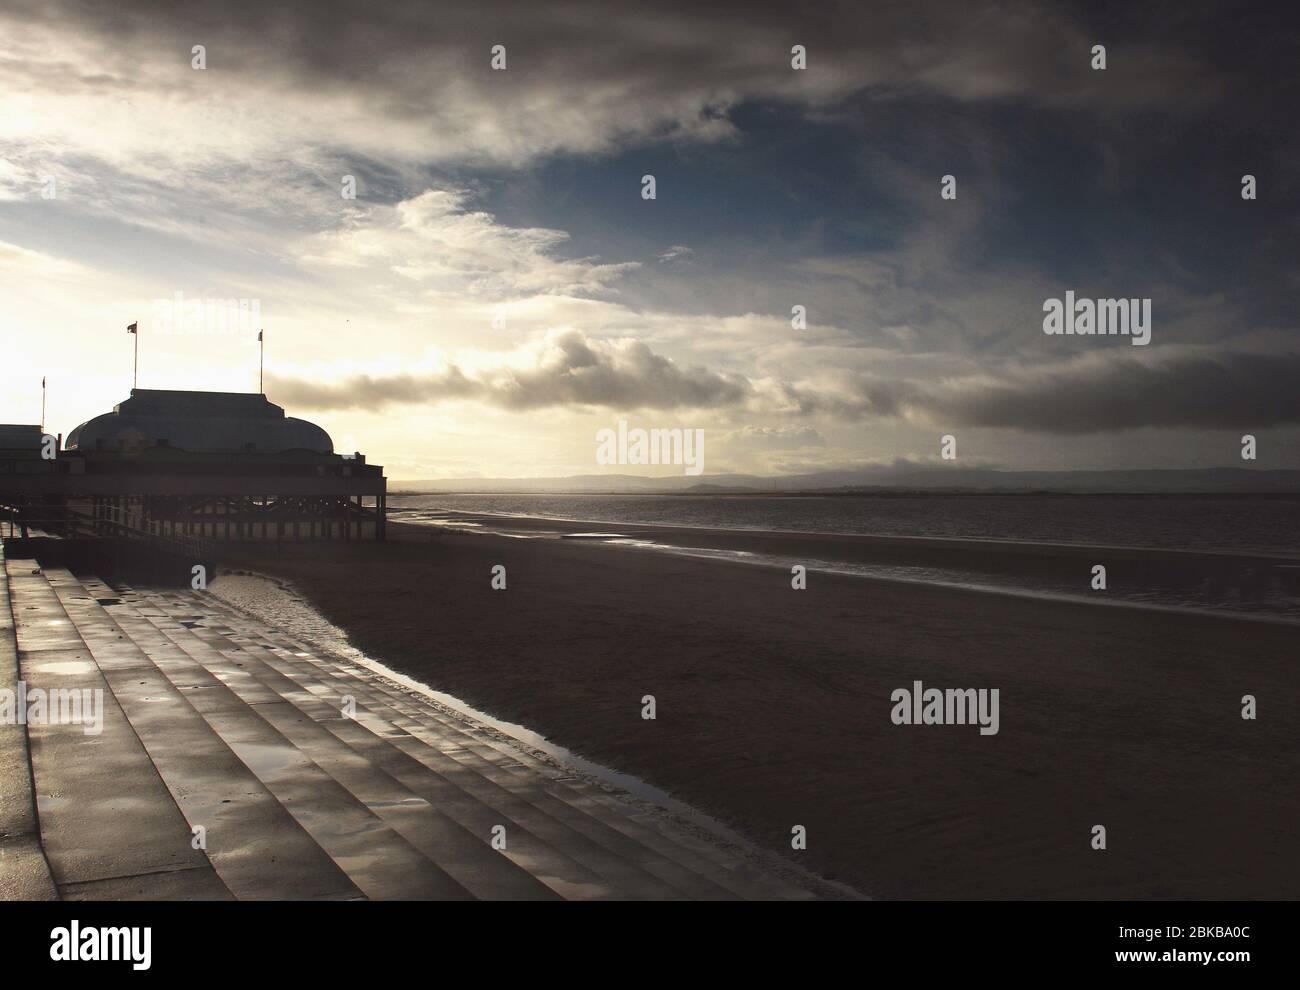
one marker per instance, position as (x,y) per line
(500,289)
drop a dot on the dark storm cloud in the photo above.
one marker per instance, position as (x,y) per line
(1100,393)
(592,76)
(373,392)
(1105,393)
(1230,390)
(566,369)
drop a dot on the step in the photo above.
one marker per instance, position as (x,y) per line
(106,816)
(466,795)
(467,857)
(690,864)
(725,868)
(257,848)
(728,867)
(519,873)
(376,859)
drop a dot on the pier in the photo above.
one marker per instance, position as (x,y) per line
(169,466)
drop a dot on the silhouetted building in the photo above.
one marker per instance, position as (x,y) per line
(221,466)
(200,422)
(20,436)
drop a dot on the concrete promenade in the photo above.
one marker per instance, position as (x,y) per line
(234,762)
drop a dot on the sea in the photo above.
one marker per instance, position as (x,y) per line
(1245,523)
(1249,545)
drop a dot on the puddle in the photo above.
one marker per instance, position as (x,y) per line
(267,761)
(66,667)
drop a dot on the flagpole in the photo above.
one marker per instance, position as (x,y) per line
(261,361)
(42,405)
(134,330)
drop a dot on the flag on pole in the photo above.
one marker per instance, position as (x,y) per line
(135,370)
(259,336)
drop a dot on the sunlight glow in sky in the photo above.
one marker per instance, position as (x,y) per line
(499,291)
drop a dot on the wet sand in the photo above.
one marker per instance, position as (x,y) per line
(774,704)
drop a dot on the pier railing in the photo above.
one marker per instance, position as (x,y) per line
(71,523)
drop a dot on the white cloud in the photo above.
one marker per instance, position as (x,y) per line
(433,240)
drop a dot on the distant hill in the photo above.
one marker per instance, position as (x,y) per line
(1216,480)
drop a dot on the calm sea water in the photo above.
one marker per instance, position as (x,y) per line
(1241,523)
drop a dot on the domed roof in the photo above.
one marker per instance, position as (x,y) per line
(201,422)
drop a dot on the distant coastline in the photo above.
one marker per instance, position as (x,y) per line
(908,479)
(883,491)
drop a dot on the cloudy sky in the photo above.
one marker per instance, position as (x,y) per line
(499,289)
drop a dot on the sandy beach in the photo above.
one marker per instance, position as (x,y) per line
(773,709)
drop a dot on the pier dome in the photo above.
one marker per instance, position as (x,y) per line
(199,422)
